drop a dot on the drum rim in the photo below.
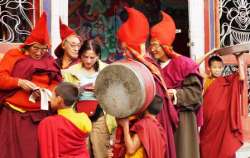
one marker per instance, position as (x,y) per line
(138,76)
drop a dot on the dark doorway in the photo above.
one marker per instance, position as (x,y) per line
(178,9)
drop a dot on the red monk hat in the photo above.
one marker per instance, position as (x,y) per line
(164,32)
(65,32)
(135,30)
(134,33)
(40,33)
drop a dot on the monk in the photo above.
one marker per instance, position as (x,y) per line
(23,72)
(184,85)
(64,134)
(132,40)
(67,51)
(221,133)
(146,138)
(215,67)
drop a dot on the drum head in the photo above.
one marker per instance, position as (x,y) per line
(119,90)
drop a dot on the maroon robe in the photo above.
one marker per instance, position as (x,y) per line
(58,137)
(167,117)
(25,67)
(221,133)
(174,74)
(18,132)
(59,62)
(152,136)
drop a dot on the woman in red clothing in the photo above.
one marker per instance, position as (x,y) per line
(24,70)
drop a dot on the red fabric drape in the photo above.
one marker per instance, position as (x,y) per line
(58,137)
(221,133)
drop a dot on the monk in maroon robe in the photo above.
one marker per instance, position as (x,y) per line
(133,40)
(22,71)
(221,134)
(184,85)
(67,51)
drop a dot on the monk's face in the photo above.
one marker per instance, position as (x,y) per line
(125,50)
(37,51)
(89,58)
(216,68)
(156,50)
(55,101)
(71,46)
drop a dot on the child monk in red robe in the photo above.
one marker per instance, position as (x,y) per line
(146,137)
(64,134)
(215,66)
(220,135)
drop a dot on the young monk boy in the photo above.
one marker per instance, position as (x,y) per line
(64,134)
(221,133)
(215,66)
(146,137)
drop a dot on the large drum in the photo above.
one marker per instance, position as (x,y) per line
(125,88)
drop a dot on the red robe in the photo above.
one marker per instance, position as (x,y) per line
(58,137)
(44,73)
(19,130)
(152,136)
(167,117)
(221,132)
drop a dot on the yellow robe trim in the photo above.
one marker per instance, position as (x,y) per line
(208,81)
(15,108)
(138,154)
(80,120)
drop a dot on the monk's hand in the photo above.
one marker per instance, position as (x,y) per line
(171,93)
(36,94)
(110,153)
(124,122)
(27,85)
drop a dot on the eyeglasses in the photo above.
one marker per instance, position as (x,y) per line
(36,48)
(155,47)
(73,45)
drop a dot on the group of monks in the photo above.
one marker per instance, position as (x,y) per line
(27,69)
